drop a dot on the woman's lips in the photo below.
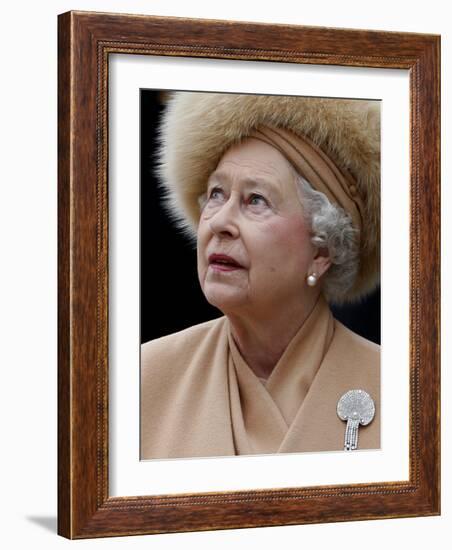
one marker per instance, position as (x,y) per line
(220,267)
(222,262)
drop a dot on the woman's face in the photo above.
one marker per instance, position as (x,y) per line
(254,249)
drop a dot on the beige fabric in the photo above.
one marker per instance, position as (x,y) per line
(200,398)
(317,168)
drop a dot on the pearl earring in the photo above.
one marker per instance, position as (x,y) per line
(312,279)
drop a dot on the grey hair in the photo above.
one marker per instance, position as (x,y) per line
(331,228)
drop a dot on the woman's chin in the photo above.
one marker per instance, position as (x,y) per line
(226,301)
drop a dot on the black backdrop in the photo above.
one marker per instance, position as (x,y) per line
(171,298)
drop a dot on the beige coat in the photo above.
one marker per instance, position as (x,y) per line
(200,398)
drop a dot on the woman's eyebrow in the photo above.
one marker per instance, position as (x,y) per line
(268,183)
(219,177)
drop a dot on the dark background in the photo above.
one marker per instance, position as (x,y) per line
(171,298)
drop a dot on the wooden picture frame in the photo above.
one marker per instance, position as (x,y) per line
(86,40)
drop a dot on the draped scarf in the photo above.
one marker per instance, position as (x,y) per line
(262,413)
(200,398)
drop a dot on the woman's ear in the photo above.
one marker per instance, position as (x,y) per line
(321,262)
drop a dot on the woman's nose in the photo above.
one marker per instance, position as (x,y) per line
(224,222)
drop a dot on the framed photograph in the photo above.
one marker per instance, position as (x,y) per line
(179,235)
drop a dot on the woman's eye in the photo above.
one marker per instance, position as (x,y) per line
(257,200)
(216,193)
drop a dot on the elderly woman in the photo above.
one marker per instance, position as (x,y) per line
(282,195)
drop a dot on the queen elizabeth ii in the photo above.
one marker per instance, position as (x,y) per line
(282,196)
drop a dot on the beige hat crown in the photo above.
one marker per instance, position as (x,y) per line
(198,128)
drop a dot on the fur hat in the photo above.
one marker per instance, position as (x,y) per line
(198,128)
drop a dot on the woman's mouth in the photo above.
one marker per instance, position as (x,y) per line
(222,262)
